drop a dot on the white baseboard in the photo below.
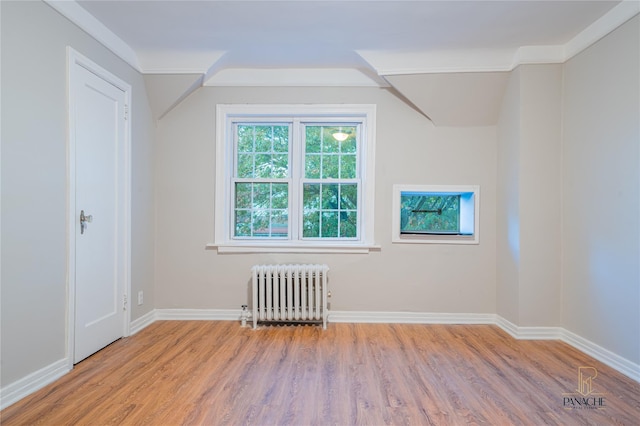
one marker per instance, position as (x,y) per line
(198,314)
(409,317)
(334,316)
(528,333)
(142,322)
(27,385)
(603,355)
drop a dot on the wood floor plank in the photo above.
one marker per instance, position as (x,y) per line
(218,373)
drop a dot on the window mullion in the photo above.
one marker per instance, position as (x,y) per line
(296,173)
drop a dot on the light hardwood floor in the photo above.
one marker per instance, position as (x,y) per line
(216,372)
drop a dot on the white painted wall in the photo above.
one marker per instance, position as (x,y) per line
(601,192)
(400,278)
(34,164)
(529,200)
(508,203)
(540,194)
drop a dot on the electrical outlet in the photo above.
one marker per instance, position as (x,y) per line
(140,297)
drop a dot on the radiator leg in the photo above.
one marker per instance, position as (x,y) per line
(254,300)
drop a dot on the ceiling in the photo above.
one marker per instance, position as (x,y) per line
(361,43)
(329,34)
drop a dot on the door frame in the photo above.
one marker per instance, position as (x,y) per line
(75,59)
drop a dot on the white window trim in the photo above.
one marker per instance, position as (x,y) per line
(396,236)
(225,158)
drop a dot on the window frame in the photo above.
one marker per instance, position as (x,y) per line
(227,114)
(436,238)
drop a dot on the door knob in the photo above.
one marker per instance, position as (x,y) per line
(84,219)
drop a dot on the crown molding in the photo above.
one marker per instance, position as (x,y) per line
(164,61)
(388,63)
(613,19)
(291,77)
(96,29)
(528,55)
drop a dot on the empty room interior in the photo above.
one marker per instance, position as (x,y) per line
(436,202)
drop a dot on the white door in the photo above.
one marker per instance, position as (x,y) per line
(98,138)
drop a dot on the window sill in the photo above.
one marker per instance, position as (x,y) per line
(279,248)
(436,239)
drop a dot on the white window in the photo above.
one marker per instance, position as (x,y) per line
(294,177)
(436,214)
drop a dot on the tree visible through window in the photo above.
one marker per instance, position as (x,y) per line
(329,180)
(430,214)
(330,188)
(261,186)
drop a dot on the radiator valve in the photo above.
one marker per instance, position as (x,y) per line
(244,315)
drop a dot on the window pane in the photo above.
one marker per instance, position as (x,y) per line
(329,143)
(281,138)
(279,223)
(348,196)
(312,166)
(313,141)
(341,134)
(280,196)
(243,195)
(329,196)
(311,197)
(245,138)
(329,224)
(261,220)
(280,166)
(348,167)
(264,136)
(261,195)
(348,146)
(430,213)
(311,211)
(263,167)
(243,223)
(330,166)
(311,225)
(245,165)
(348,224)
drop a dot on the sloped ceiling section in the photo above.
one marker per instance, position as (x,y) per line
(455,99)
(165,91)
